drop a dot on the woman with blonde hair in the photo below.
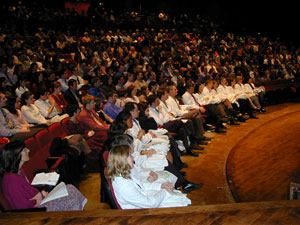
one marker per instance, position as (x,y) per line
(132,193)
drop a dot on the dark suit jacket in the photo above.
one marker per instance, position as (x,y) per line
(70,97)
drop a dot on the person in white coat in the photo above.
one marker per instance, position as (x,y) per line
(258,92)
(170,123)
(184,112)
(131,193)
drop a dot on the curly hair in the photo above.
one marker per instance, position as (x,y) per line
(117,164)
(11,157)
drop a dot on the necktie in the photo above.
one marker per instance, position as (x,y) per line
(136,122)
(177,104)
(8,79)
(8,121)
(195,100)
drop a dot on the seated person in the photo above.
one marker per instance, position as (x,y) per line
(94,139)
(9,125)
(131,95)
(57,98)
(30,112)
(110,108)
(96,89)
(21,87)
(142,156)
(48,110)
(132,193)
(13,106)
(72,95)
(89,118)
(20,194)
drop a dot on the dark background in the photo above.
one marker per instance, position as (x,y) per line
(274,18)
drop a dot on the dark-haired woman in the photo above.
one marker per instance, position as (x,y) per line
(30,112)
(20,194)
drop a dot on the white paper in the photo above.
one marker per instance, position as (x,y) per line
(45,179)
(58,192)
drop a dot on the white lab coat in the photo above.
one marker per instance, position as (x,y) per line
(135,194)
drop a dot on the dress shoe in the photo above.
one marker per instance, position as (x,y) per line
(182,173)
(253,117)
(222,126)
(202,143)
(220,131)
(209,127)
(203,138)
(261,111)
(190,152)
(187,188)
(241,119)
(184,165)
(224,120)
(196,147)
(196,137)
(235,123)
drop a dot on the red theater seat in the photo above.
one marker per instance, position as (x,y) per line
(32,145)
(56,130)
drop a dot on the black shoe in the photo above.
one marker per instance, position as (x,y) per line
(203,138)
(187,188)
(220,131)
(190,152)
(235,123)
(184,165)
(241,119)
(224,120)
(222,126)
(196,147)
(253,117)
(262,111)
(202,143)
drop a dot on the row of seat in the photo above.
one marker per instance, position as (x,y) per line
(39,146)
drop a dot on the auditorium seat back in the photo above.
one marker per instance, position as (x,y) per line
(32,145)
(57,130)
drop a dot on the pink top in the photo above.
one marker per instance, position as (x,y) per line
(18,191)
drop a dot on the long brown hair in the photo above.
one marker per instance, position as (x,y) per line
(117,164)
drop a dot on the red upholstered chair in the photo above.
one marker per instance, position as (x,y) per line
(36,163)
(32,145)
(63,123)
(110,192)
(44,140)
(56,130)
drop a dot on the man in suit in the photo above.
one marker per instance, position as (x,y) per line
(72,94)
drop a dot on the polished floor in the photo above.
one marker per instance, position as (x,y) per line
(221,160)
